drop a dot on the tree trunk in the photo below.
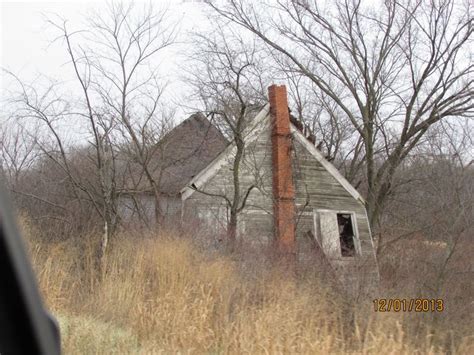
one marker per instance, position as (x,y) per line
(103,249)
(232,230)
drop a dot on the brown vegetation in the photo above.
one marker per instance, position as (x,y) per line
(166,295)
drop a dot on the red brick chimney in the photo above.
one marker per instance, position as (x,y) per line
(283,187)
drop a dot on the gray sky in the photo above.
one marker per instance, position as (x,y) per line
(26,47)
(27,51)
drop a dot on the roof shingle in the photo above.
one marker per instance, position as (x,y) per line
(181,154)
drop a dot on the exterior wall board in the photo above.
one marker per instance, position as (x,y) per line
(255,170)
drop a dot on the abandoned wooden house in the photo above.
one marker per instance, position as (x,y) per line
(299,197)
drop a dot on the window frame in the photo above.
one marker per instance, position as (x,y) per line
(355,229)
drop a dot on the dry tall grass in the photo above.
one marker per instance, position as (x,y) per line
(161,295)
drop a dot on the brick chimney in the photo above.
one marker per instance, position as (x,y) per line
(283,187)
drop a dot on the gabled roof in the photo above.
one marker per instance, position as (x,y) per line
(180,155)
(250,133)
(325,163)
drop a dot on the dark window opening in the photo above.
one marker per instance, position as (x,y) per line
(346,234)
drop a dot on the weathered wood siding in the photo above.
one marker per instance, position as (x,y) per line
(136,209)
(318,190)
(256,220)
(139,209)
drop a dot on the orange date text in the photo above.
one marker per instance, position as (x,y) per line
(408,305)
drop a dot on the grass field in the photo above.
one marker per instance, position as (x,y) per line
(163,295)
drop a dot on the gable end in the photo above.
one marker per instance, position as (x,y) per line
(250,133)
(326,164)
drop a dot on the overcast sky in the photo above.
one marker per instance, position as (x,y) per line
(26,40)
(26,47)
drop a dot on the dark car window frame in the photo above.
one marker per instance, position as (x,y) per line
(25,326)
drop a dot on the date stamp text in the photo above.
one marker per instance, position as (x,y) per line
(408,305)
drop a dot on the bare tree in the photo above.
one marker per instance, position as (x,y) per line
(402,67)
(118,105)
(51,111)
(127,41)
(325,121)
(112,61)
(17,152)
(428,228)
(227,80)
(121,92)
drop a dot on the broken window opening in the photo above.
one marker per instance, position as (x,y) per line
(346,234)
